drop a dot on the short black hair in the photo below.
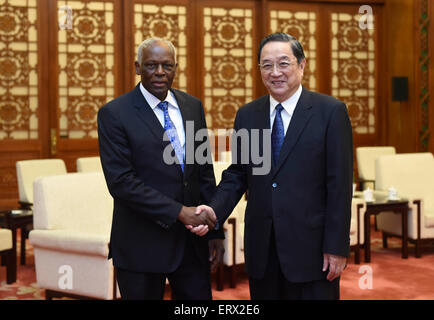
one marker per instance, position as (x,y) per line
(297,48)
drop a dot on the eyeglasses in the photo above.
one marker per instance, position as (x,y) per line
(168,67)
(282,65)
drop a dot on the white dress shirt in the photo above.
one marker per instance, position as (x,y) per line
(173,109)
(288,108)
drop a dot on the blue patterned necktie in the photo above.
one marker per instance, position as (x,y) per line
(170,129)
(278,133)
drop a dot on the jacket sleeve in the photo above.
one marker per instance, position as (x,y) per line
(233,183)
(122,180)
(339,166)
(207,179)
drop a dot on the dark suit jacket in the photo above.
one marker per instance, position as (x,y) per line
(306,196)
(148,193)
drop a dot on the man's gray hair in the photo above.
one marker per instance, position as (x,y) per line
(149,42)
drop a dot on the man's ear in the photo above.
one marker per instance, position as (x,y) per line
(137,66)
(303,64)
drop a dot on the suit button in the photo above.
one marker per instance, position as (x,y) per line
(185,183)
(274,185)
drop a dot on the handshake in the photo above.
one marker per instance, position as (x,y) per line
(199,220)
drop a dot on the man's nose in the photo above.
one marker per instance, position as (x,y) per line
(276,70)
(160,69)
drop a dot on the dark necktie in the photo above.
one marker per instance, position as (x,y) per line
(278,133)
(170,129)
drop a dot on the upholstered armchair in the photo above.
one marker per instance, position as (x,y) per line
(366,157)
(412,175)
(29,170)
(234,234)
(8,255)
(72,222)
(89,164)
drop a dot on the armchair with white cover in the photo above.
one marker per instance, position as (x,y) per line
(27,172)
(412,175)
(72,222)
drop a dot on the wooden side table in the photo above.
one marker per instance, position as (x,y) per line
(14,219)
(382,204)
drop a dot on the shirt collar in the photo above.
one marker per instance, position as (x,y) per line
(153,101)
(289,104)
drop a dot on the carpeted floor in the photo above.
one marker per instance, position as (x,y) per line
(393,278)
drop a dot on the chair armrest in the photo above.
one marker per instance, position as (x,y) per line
(233,222)
(358,208)
(70,241)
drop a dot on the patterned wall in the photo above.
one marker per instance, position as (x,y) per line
(228,63)
(168,22)
(301,25)
(18,70)
(224,36)
(86,67)
(353,69)
(86,61)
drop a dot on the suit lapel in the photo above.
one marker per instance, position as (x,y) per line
(301,116)
(145,112)
(262,122)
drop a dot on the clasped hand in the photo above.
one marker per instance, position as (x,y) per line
(198,220)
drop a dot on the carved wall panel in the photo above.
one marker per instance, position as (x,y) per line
(168,22)
(303,26)
(353,70)
(89,63)
(228,63)
(18,70)
(423,72)
(86,67)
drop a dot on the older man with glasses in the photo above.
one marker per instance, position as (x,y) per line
(298,214)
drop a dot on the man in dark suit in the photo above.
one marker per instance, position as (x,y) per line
(140,134)
(298,213)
